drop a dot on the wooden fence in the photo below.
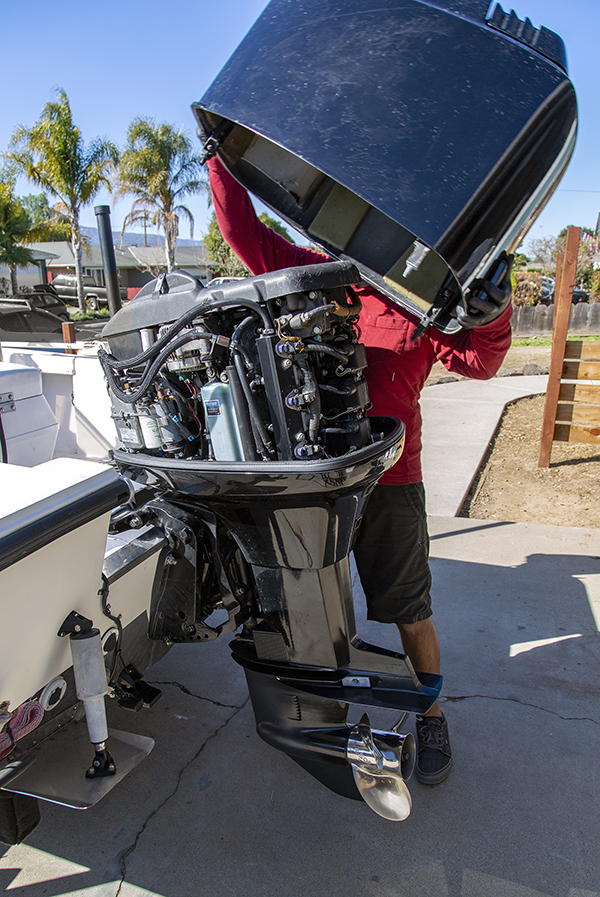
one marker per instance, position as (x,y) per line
(578,409)
(537,320)
(572,405)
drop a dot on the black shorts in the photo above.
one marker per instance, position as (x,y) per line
(392,555)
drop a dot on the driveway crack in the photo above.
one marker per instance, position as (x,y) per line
(129,850)
(186,691)
(567,719)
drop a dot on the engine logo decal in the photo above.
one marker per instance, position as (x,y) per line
(213,406)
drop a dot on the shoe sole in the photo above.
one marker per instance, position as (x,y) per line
(434,778)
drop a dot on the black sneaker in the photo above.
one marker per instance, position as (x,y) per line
(434,754)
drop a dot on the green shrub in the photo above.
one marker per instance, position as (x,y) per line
(99,315)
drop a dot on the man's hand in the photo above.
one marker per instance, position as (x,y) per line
(486,302)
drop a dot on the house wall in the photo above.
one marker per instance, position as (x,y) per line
(26,277)
(128,277)
(131,277)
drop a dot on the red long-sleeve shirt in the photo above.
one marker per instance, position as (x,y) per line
(397,367)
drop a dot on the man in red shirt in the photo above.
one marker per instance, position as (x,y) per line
(392,547)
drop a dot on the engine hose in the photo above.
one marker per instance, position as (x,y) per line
(348,390)
(255,418)
(314,414)
(234,344)
(183,321)
(355,301)
(106,610)
(260,449)
(152,370)
(325,349)
(300,320)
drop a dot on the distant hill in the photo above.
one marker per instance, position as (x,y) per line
(131,239)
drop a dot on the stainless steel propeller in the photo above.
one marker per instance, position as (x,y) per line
(381,761)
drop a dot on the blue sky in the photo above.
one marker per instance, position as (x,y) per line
(117,60)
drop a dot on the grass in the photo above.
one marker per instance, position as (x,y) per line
(547,340)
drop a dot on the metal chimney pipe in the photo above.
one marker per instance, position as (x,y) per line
(109,261)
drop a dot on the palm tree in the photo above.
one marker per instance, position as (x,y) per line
(15,228)
(159,168)
(52,154)
(47,222)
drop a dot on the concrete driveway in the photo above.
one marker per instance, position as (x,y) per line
(214,811)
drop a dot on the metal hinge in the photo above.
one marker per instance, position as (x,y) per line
(7,403)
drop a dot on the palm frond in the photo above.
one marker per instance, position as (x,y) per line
(158,168)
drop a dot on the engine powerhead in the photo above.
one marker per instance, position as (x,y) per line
(265,368)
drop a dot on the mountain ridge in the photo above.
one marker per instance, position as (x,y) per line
(133,239)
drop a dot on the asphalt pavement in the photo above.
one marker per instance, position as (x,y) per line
(214,811)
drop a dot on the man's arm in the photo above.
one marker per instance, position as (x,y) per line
(259,247)
(479,349)
(476,353)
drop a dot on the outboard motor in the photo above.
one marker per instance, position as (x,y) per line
(415,143)
(244,409)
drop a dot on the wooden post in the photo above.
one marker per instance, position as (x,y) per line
(559,263)
(68,330)
(558,275)
(563,297)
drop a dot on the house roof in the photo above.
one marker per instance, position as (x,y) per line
(39,255)
(61,255)
(185,256)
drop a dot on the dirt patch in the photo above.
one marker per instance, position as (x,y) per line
(510,486)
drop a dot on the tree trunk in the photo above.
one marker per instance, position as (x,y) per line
(170,237)
(14,283)
(76,244)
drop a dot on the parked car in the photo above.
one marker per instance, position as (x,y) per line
(21,322)
(578,296)
(547,298)
(547,290)
(218,281)
(95,295)
(45,297)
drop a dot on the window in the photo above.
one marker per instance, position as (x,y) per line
(13,323)
(97,275)
(42,322)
